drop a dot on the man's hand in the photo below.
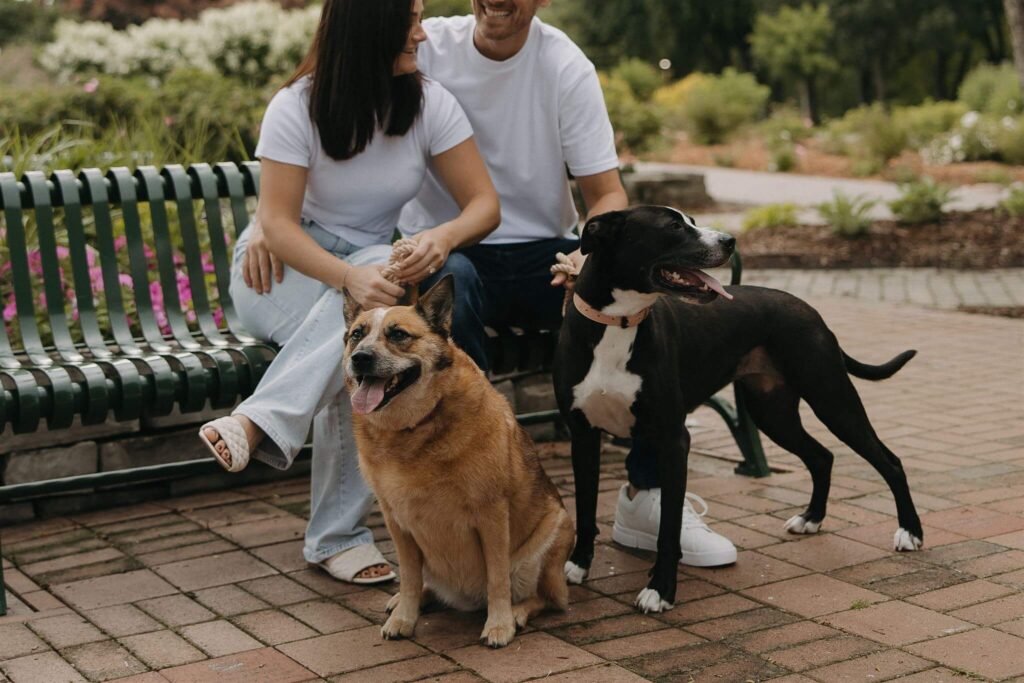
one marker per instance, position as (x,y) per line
(562,279)
(260,268)
(369,288)
(432,250)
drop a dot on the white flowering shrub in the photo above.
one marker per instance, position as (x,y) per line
(253,41)
(977,137)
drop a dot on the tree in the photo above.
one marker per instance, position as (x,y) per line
(447,8)
(796,44)
(1015,18)
(122,13)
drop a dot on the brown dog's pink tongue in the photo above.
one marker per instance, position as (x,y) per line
(367,396)
(713,284)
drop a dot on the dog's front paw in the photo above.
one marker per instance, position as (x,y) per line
(393,603)
(799,524)
(649,600)
(499,633)
(903,540)
(398,627)
(574,573)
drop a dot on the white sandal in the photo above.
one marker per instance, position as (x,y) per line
(345,565)
(233,434)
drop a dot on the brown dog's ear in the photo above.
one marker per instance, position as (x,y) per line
(436,305)
(601,230)
(352,308)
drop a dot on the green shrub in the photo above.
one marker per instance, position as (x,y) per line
(643,79)
(992,89)
(785,123)
(921,201)
(997,176)
(783,158)
(724,159)
(847,216)
(1013,205)
(867,132)
(224,112)
(636,124)
(1010,140)
(921,124)
(26,21)
(770,216)
(670,99)
(719,105)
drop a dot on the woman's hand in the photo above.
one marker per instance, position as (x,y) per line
(432,249)
(368,287)
(563,279)
(260,268)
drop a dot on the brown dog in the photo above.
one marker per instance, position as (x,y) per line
(473,516)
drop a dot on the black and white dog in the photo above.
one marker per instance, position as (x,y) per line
(650,337)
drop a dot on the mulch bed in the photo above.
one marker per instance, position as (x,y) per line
(973,240)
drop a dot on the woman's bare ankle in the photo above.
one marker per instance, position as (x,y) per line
(253,434)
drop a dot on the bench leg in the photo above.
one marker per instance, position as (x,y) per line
(3,586)
(743,430)
(749,440)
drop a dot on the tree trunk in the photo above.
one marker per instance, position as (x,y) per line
(1015,18)
(878,78)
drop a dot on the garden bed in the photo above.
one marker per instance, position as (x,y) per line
(972,240)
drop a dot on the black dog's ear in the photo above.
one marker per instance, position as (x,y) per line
(601,230)
(352,308)
(436,305)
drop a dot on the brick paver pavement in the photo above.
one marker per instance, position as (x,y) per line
(212,587)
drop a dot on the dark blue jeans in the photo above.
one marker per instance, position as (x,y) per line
(509,285)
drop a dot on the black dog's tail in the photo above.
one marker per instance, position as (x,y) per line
(877,372)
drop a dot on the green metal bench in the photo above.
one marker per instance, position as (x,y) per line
(99,327)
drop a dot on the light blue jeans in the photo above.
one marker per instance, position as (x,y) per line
(305,384)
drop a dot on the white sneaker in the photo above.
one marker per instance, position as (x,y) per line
(637,522)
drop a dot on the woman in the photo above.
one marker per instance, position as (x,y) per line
(343,146)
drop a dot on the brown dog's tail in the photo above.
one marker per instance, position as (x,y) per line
(877,372)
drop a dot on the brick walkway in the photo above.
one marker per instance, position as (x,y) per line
(213,587)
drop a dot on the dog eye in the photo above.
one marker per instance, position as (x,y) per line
(397,335)
(356,334)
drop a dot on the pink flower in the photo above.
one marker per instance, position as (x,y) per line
(92,85)
(218,316)
(120,243)
(10,310)
(125,280)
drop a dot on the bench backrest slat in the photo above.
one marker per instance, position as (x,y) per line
(123,191)
(180,192)
(95,192)
(151,190)
(18,248)
(53,277)
(68,194)
(211,185)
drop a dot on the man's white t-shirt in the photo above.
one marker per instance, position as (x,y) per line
(533,115)
(360,199)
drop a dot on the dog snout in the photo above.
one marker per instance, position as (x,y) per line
(728,242)
(362,361)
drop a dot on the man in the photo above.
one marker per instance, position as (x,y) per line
(537,108)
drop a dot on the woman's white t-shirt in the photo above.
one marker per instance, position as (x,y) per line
(360,199)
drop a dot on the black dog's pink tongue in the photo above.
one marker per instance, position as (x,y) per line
(368,395)
(713,284)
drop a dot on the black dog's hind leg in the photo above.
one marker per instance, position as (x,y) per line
(843,413)
(586,469)
(777,413)
(660,593)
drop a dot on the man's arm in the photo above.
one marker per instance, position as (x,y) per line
(602,192)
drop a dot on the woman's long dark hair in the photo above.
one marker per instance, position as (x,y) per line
(352,61)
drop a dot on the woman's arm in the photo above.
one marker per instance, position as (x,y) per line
(282,188)
(464,173)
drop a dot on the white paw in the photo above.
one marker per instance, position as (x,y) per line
(397,627)
(574,573)
(649,600)
(904,540)
(799,525)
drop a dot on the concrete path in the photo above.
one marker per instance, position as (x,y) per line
(756,188)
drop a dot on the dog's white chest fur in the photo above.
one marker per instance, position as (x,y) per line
(608,391)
